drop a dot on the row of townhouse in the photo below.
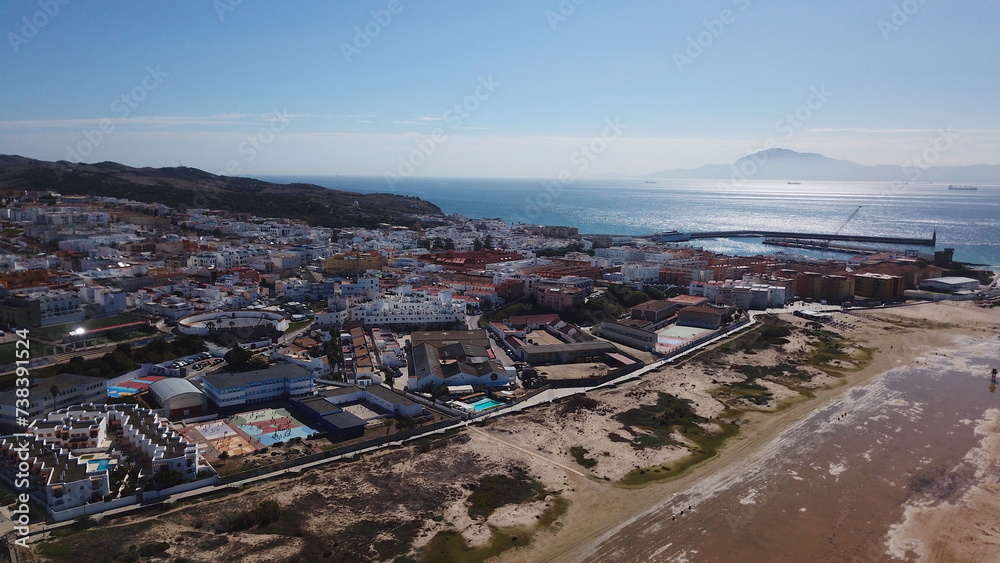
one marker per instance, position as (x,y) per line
(58,478)
(360,366)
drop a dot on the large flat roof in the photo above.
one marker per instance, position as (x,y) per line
(229,380)
(343,420)
(443,337)
(951,280)
(42,387)
(687,299)
(594,346)
(319,405)
(653,305)
(376,390)
(694,310)
(389,395)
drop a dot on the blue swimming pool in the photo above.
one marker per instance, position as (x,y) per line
(485,404)
(98,465)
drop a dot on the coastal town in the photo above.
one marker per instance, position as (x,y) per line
(149,351)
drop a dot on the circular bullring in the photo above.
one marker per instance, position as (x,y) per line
(243,324)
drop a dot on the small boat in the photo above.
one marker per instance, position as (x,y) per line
(963,188)
(794,183)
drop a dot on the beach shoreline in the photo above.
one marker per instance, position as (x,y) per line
(600,512)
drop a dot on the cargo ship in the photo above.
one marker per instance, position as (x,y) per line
(963,188)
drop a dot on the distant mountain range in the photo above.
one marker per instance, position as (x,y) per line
(784,164)
(185,188)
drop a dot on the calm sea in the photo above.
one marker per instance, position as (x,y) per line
(968,221)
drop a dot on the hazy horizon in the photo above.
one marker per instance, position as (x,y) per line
(519,90)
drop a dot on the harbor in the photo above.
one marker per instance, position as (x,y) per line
(830,247)
(932,241)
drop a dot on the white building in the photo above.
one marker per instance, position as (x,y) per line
(51,394)
(620,254)
(221,259)
(235,389)
(59,306)
(743,294)
(110,301)
(411,311)
(365,288)
(453,364)
(641,272)
(59,479)
(319,366)
(951,284)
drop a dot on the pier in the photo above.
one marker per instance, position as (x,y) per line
(828,246)
(816,236)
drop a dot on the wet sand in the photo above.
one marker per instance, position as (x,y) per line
(842,482)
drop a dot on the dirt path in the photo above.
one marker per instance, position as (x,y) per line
(529,452)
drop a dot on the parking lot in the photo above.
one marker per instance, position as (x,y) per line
(196,363)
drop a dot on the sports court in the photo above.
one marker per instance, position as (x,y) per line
(267,426)
(133,386)
(245,433)
(233,445)
(218,435)
(215,430)
(674,335)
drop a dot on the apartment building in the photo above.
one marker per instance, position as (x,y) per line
(229,390)
(58,477)
(56,392)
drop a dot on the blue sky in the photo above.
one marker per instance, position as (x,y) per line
(517,88)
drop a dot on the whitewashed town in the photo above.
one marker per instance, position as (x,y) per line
(164,344)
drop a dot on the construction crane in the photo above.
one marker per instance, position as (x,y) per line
(844,224)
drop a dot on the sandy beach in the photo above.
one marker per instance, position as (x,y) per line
(741,501)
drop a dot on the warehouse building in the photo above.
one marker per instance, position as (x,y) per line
(178,398)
